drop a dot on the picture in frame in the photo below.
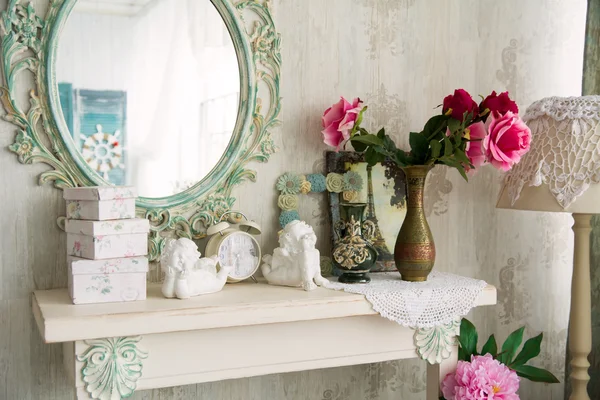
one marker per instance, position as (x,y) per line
(384,191)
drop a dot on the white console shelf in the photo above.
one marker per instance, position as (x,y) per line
(248,329)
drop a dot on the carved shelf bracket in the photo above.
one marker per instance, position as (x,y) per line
(112,367)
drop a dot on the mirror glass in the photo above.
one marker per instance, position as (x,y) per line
(149,90)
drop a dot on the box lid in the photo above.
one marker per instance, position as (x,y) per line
(111,227)
(100,193)
(82,266)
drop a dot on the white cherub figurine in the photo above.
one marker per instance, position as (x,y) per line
(186,274)
(296,262)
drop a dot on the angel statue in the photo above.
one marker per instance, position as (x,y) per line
(186,274)
(296,262)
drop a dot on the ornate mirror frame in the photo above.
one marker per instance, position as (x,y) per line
(29,44)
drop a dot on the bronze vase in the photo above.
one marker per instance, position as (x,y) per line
(414,253)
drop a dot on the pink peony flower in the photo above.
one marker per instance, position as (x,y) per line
(507,141)
(338,121)
(474,149)
(482,378)
(460,102)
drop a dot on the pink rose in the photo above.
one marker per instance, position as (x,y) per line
(474,149)
(482,378)
(460,102)
(509,139)
(338,121)
(500,103)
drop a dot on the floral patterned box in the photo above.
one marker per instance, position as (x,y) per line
(100,203)
(112,280)
(101,247)
(113,227)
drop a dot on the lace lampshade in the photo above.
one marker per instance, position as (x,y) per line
(561,172)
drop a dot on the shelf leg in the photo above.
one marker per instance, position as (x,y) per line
(437,372)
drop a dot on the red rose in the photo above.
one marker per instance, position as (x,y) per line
(460,103)
(500,103)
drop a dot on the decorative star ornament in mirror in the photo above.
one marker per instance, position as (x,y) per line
(29,47)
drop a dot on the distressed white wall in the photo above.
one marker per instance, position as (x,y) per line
(401,57)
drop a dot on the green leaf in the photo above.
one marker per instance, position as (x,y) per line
(419,146)
(490,347)
(373,157)
(401,158)
(447,147)
(531,349)
(452,162)
(468,338)
(463,173)
(359,118)
(434,126)
(389,144)
(461,156)
(510,346)
(381,133)
(535,374)
(358,146)
(436,148)
(462,355)
(369,139)
(453,125)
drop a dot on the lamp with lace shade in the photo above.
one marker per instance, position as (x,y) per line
(561,173)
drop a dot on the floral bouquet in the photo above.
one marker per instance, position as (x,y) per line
(493,374)
(465,136)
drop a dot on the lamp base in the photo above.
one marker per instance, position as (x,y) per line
(580,319)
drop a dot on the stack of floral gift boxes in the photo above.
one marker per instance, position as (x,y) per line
(106,245)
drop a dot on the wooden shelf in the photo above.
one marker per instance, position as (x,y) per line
(241,304)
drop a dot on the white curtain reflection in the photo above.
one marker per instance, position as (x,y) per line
(176,62)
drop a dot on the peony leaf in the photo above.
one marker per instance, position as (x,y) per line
(490,347)
(510,346)
(531,349)
(468,339)
(535,374)
(381,133)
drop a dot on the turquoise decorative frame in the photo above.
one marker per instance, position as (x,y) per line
(290,185)
(29,44)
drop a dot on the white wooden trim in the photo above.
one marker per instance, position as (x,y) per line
(437,372)
(239,304)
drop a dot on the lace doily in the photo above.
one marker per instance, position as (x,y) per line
(564,152)
(438,301)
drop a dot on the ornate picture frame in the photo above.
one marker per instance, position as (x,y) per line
(29,45)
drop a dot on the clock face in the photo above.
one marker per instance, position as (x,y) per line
(240,251)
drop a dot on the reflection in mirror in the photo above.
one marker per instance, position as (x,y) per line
(149,90)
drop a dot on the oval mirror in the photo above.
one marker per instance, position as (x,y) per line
(149,90)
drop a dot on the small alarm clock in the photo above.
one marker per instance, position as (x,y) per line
(235,246)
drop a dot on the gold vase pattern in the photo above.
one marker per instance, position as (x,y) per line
(414,253)
(352,249)
(353,253)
